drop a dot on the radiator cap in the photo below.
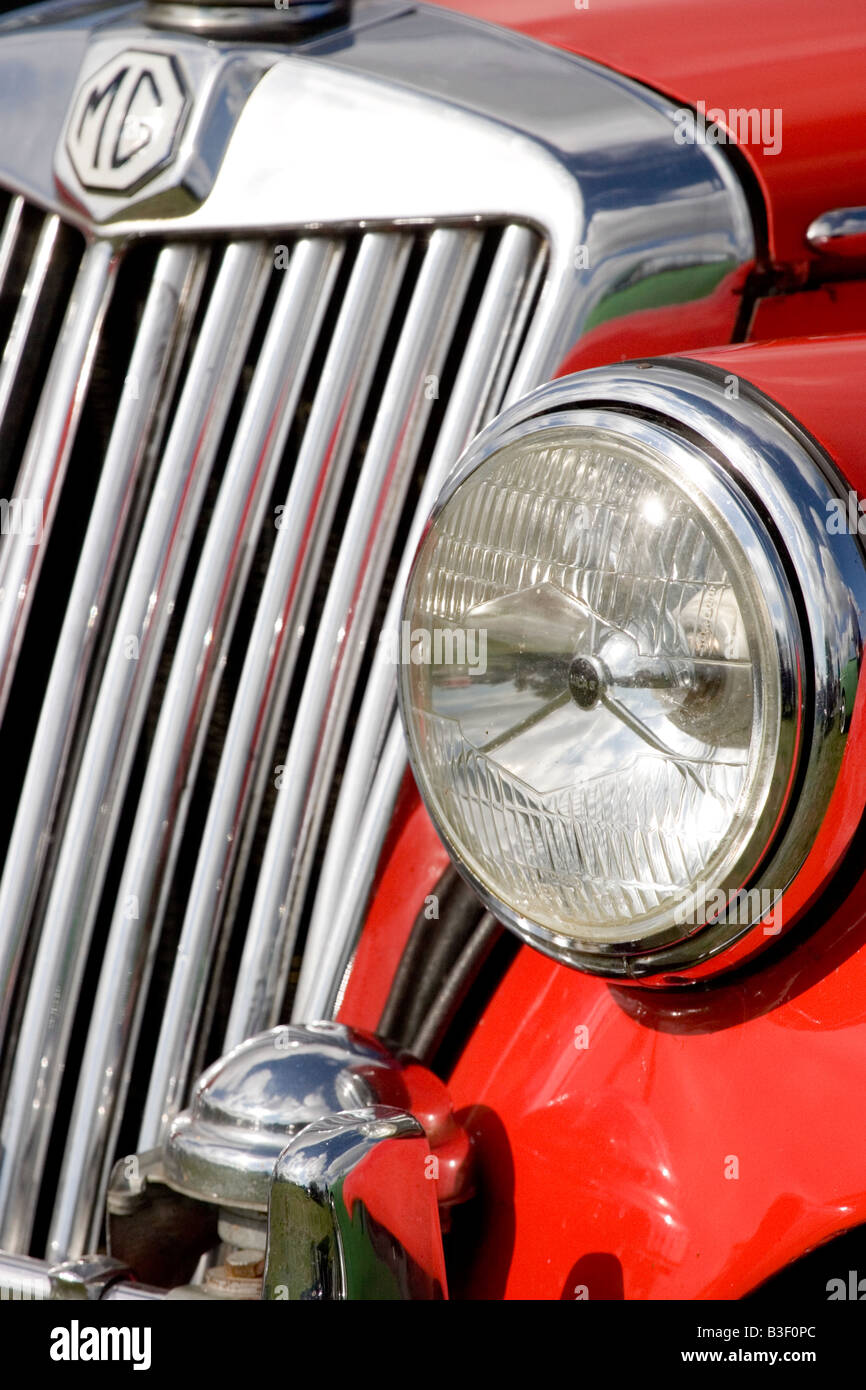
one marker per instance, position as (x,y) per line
(293,20)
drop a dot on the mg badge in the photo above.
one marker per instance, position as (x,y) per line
(126,121)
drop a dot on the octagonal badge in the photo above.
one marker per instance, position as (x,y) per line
(126,121)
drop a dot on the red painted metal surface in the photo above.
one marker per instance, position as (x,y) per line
(692,1147)
(415,1088)
(828,309)
(821,381)
(413,863)
(792,55)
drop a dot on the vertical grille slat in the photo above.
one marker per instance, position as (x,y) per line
(168,299)
(354,840)
(281,614)
(420,355)
(525,288)
(9,236)
(110,746)
(161,886)
(184,717)
(42,471)
(28,305)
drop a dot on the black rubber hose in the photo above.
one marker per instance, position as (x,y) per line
(455,987)
(434,946)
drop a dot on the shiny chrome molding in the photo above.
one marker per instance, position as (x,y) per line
(685,409)
(319,474)
(363,811)
(211,613)
(172,295)
(430,324)
(841,232)
(44,465)
(450,138)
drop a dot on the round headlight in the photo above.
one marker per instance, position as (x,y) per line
(607,686)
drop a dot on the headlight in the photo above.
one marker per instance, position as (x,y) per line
(609,682)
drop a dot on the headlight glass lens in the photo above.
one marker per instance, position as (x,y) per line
(591,685)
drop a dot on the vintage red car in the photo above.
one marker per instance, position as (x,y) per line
(432,606)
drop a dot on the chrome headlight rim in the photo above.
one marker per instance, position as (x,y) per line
(769,461)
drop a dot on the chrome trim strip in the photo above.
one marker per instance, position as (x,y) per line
(281,615)
(321,985)
(169,297)
(343,630)
(519,361)
(225,19)
(840,232)
(351,858)
(51,438)
(86,1279)
(9,235)
(175,753)
(119,711)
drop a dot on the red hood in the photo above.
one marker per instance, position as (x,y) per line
(806,59)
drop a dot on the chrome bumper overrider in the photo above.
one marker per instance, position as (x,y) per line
(314,1152)
(323,1239)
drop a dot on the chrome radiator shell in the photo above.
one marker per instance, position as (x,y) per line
(432,217)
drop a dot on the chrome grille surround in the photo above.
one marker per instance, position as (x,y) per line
(459,267)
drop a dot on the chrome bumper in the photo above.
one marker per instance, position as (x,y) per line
(94,1278)
(328,1237)
(314,1155)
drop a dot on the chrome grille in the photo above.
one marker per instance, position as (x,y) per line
(157,882)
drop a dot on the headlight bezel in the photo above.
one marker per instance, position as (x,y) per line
(763,466)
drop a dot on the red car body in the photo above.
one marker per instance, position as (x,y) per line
(689,1145)
(630,1141)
